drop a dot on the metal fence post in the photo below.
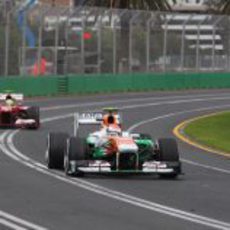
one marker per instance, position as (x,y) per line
(214,41)
(40,47)
(115,41)
(56,41)
(23,45)
(198,46)
(7,37)
(130,44)
(114,46)
(39,52)
(165,40)
(228,18)
(213,46)
(131,41)
(83,44)
(99,44)
(66,43)
(228,44)
(183,42)
(148,34)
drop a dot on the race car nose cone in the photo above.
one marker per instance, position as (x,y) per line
(124,148)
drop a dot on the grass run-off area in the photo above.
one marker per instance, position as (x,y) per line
(212,131)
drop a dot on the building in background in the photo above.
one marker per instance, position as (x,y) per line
(189,5)
(189,2)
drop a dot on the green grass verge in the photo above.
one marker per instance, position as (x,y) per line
(212,131)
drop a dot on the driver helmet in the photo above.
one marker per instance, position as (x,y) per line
(9,100)
(109,119)
(8,97)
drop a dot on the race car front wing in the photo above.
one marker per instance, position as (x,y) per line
(104,167)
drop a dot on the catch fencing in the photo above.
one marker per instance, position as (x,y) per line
(50,40)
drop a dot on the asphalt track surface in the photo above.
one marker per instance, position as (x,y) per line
(32,197)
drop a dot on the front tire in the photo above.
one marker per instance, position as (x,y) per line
(168,152)
(168,149)
(56,147)
(34,113)
(76,151)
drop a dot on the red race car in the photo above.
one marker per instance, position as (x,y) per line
(13,114)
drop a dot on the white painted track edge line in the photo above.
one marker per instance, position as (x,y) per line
(11,225)
(20,221)
(143,98)
(205,166)
(176,114)
(70,106)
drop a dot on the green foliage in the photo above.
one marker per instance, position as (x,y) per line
(131,4)
(224,6)
(219,6)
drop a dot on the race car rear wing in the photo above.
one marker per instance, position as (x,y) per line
(90,118)
(16,96)
(87,118)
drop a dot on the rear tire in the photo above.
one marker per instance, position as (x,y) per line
(168,151)
(76,151)
(55,150)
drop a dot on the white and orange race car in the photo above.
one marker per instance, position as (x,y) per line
(13,114)
(109,149)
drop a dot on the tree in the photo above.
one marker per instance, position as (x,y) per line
(219,6)
(162,5)
(224,6)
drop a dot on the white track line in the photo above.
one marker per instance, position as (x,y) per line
(17,223)
(11,225)
(176,114)
(141,98)
(206,166)
(184,100)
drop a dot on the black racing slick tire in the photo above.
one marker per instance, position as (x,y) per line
(34,113)
(168,149)
(168,152)
(56,147)
(76,151)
